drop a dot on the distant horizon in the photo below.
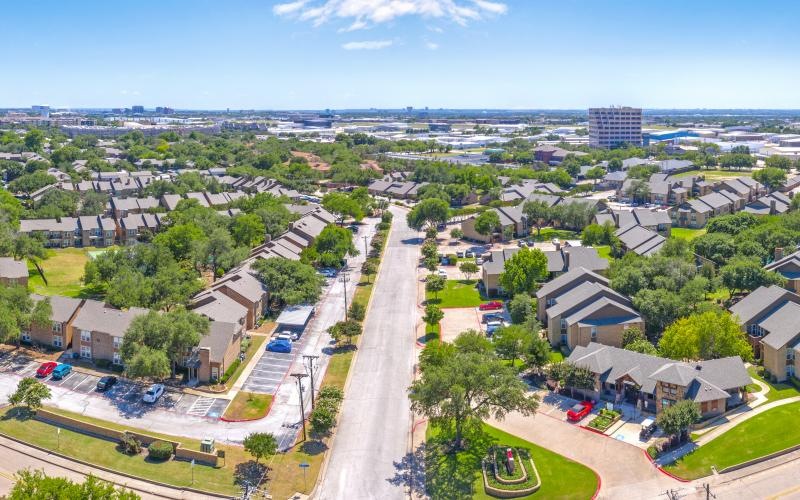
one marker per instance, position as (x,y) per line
(454,54)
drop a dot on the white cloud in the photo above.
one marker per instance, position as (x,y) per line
(362,14)
(285,9)
(367,45)
(435,29)
(431,45)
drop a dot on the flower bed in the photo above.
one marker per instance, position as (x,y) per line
(605,419)
(498,482)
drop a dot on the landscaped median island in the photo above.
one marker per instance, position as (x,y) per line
(769,432)
(248,406)
(451,475)
(605,419)
(19,423)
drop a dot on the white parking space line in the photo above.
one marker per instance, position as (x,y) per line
(82,382)
(71,374)
(179,399)
(280,372)
(200,407)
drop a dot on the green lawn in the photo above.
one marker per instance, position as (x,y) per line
(604,251)
(458,476)
(103,452)
(248,406)
(715,175)
(548,233)
(556,356)
(776,390)
(768,432)
(686,233)
(457,293)
(63,269)
(431,333)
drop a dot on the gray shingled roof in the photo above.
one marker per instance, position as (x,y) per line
(63,307)
(13,269)
(574,275)
(782,325)
(760,301)
(219,337)
(100,317)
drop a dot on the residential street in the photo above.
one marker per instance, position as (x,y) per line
(373,433)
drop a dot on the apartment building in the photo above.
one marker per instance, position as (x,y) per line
(72,231)
(98,330)
(653,383)
(13,272)
(215,353)
(611,127)
(57,334)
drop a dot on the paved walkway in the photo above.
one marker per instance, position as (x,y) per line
(17,456)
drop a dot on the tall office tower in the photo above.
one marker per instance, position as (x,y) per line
(610,127)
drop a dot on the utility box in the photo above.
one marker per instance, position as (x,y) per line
(207,445)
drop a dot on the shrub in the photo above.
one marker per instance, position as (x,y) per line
(386,217)
(229,372)
(130,444)
(357,311)
(103,363)
(331,392)
(383,226)
(159,450)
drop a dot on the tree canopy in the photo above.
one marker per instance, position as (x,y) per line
(707,335)
(523,271)
(289,282)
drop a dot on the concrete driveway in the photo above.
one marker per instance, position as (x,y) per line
(457,320)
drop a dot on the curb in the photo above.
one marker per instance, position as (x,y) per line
(599,482)
(109,470)
(660,469)
(234,420)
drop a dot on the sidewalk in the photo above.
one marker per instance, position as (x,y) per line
(56,465)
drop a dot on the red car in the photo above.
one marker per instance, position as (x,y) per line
(491,306)
(46,369)
(579,410)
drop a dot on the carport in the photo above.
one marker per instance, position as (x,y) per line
(295,317)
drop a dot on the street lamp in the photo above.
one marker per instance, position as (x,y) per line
(300,377)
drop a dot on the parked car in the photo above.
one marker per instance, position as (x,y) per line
(522,244)
(469,254)
(328,272)
(491,306)
(441,272)
(286,335)
(280,345)
(106,382)
(479,261)
(46,369)
(61,371)
(493,326)
(579,410)
(153,393)
(486,318)
(353,228)
(460,255)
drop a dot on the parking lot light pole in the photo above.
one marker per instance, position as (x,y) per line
(300,377)
(311,360)
(366,249)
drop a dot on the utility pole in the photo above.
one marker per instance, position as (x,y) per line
(709,495)
(366,249)
(344,282)
(311,360)
(300,377)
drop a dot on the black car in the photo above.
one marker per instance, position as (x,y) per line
(106,382)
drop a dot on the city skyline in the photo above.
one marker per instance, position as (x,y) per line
(452,54)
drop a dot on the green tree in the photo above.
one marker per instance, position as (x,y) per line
(523,271)
(676,419)
(510,342)
(780,162)
(520,308)
(630,335)
(350,328)
(743,274)
(433,315)
(771,177)
(343,206)
(31,393)
(34,484)
(537,354)
(538,213)
(705,335)
(464,383)
(20,312)
(428,213)
(331,246)
(322,420)
(289,282)
(643,346)
(260,445)
(595,173)
(456,233)
(34,140)
(435,284)
(468,268)
(487,222)
(248,230)
(31,248)
(216,249)
(660,307)
(155,341)
(179,239)
(368,268)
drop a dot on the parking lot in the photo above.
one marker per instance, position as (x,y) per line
(126,395)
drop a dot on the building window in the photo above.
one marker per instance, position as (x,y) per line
(25,336)
(86,351)
(56,327)
(594,333)
(563,324)
(789,354)
(117,359)
(57,341)
(563,339)
(666,403)
(86,336)
(790,370)
(214,372)
(756,330)
(117,342)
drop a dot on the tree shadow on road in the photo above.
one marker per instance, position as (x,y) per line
(338,349)
(410,471)
(412,241)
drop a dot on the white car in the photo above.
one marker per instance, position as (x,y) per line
(441,272)
(153,393)
(286,335)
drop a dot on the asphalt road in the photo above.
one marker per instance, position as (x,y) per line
(373,434)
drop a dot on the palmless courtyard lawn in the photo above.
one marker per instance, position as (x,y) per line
(451,476)
(63,269)
(457,293)
(774,430)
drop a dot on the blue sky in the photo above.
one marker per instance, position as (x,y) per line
(393,53)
